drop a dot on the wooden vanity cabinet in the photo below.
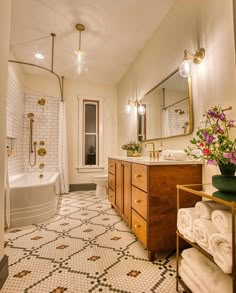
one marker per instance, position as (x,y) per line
(148,200)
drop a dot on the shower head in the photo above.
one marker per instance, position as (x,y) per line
(30,115)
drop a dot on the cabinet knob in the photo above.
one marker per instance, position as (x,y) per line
(136,226)
(137,176)
(137,200)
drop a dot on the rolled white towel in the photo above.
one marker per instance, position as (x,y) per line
(185,219)
(202,230)
(222,221)
(210,275)
(221,247)
(191,279)
(205,208)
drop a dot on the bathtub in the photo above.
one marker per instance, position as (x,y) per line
(33,199)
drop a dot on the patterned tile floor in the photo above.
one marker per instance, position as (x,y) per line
(86,247)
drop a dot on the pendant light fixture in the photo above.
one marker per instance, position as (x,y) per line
(80,55)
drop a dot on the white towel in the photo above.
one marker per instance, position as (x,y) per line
(213,279)
(191,279)
(221,247)
(202,230)
(222,221)
(205,208)
(185,219)
(174,154)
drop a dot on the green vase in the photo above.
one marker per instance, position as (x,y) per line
(227,170)
(130,153)
(224,183)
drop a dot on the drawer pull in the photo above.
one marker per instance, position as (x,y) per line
(137,200)
(136,226)
(137,176)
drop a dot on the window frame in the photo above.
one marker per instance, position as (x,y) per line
(82,168)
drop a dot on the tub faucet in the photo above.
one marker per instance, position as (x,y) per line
(153,153)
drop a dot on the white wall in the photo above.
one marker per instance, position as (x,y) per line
(189,25)
(72,88)
(5,17)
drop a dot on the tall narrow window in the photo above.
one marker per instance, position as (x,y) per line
(91,138)
(90,135)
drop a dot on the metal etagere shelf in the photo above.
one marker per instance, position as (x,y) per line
(200,190)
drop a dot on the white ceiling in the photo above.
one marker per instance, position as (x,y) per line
(116,31)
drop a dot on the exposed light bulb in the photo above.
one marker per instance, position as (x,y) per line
(186,68)
(128,108)
(141,109)
(39,56)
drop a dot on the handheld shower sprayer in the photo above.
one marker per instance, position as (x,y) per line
(31,144)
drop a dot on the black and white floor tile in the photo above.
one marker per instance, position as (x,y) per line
(86,247)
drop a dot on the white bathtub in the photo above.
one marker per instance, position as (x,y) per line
(32,199)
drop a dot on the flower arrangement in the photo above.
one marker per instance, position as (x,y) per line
(213,139)
(132,145)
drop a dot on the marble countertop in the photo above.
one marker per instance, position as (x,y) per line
(156,161)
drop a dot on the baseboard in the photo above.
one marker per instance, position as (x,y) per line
(82,187)
(3,270)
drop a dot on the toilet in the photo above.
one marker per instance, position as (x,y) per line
(101,182)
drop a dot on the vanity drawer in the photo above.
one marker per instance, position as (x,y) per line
(139,176)
(111,166)
(111,195)
(139,227)
(111,181)
(139,201)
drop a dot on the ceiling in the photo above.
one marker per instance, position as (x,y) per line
(115,33)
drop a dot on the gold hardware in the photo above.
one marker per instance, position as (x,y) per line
(41,165)
(137,176)
(136,226)
(42,152)
(137,201)
(42,142)
(42,101)
(41,176)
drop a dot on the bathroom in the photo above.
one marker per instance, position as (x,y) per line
(208,24)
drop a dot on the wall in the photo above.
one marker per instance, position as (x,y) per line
(189,25)
(15,114)
(5,17)
(45,128)
(39,85)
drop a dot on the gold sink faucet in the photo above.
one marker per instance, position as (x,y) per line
(153,153)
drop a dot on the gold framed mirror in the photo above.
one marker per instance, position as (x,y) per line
(169,109)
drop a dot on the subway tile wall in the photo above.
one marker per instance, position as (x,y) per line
(45,129)
(15,114)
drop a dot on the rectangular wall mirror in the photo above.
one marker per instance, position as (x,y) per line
(169,110)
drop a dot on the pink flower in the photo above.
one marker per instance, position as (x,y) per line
(233,160)
(228,155)
(206,152)
(212,162)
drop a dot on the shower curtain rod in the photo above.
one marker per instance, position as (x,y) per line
(60,79)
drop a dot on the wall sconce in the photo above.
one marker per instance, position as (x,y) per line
(136,103)
(186,68)
(80,55)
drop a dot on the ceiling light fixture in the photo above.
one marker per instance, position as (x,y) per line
(135,104)
(39,56)
(80,55)
(186,68)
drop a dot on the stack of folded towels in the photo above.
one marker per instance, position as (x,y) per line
(174,155)
(202,275)
(209,224)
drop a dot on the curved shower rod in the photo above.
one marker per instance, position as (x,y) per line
(60,79)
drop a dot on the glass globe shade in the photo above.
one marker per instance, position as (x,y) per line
(127,108)
(141,110)
(186,68)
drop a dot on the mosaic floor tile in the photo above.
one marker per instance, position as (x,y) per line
(86,247)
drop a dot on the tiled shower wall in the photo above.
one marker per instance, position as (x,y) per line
(45,129)
(15,114)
